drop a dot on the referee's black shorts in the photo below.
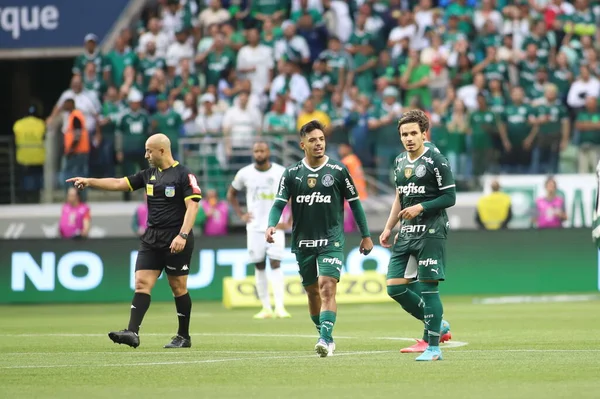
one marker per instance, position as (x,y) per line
(154,253)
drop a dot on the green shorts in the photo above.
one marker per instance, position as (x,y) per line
(311,266)
(424,259)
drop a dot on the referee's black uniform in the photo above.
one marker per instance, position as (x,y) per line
(167,190)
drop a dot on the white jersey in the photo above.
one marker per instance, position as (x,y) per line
(261,187)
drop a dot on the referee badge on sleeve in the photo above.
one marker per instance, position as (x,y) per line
(170,191)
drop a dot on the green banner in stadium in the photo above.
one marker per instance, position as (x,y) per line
(480,263)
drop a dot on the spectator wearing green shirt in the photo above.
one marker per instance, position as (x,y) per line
(561,75)
(338,64)
(112,108)
(270,33)
(184,82)
(92,54)
(464,13)
(134,129)
(262,10)
(539,36)
(149,65)
(496,97)
(120,58)
(462,74)
(168,122)
(364,61)
(385,68)
(588,129)
(486,132)
(338,132)
(528,67)
(553,132)
(92,81)
(535,93)
(277,123)
(322,102)
(305,10)
(218,60)
(519,121)
(234,39)
(457,128)
(415,80)
(491,67)
(385,115)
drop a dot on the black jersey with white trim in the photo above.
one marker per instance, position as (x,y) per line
(166,191)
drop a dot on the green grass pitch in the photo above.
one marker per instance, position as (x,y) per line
(534,350)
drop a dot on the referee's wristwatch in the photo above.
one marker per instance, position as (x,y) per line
(183,235)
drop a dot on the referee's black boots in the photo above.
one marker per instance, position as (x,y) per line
(125,337)
(179,342)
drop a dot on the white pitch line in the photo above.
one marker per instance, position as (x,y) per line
(237,359)
(525,350)
(128,352)
(448,345)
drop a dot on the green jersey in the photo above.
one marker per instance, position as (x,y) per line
(216,63)
(420,180)
(268,7)
(97,85)
(112,111)
(497,103)
(543,47)
(365,80)
(497,71)
(82,60)
(278,123)
(589,136)
(134,127)
(189,83)
(484,126)
(556,113)
(562,79)
(527,72)
(118,63)
(169,123)
(516,119)
(317,197)
(336,61)
(148,66)
(417,74)
(535,91)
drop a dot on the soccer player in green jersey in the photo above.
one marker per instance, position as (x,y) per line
(317,187)
(425,187)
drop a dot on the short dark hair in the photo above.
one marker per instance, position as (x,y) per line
(415,116)
(311,126)
(260,141)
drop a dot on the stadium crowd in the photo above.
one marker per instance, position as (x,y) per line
(510,86)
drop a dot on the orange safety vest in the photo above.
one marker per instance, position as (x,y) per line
(83,146)
(352,162)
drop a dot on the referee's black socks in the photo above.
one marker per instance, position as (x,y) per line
(184,309)
(139,306)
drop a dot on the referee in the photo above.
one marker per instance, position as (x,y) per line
(168,243)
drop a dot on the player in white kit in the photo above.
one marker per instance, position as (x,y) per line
(260,180)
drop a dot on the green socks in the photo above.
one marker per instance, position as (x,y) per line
(409,301)
(315,319)
(415,286)
(327,320)
(433,312)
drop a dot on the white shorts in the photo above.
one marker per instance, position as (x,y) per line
(259,249)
